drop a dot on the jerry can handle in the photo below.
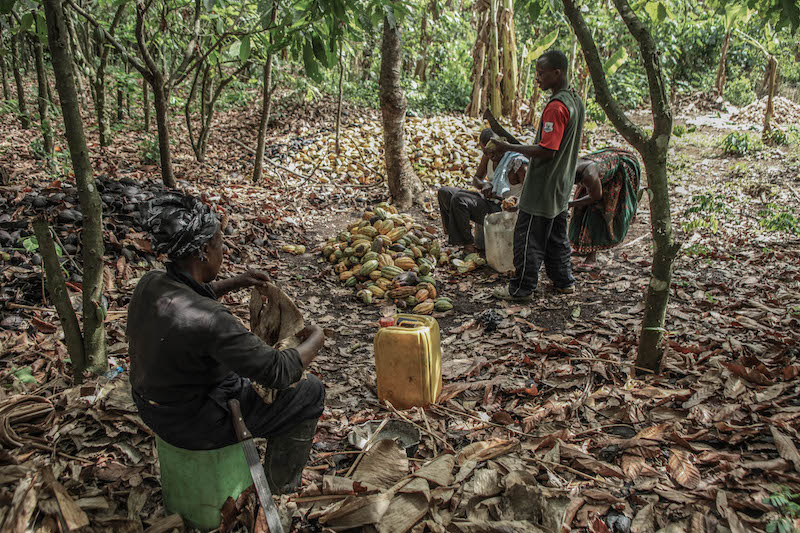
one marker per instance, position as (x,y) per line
(408,322)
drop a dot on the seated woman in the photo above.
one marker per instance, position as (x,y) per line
(461,207)
(605,201)
(189,355)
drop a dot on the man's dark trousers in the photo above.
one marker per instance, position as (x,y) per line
(459,207)
(536,240)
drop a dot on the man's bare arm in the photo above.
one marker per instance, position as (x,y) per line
(531,151)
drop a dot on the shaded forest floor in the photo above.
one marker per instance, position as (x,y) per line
(542,421)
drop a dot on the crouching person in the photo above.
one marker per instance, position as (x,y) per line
(189,355)
(498,176)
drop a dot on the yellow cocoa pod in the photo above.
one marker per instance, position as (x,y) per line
(288,248)
(299,249)
(385,260)
(375,276)
(421,295)
(405,262)
(340,267)
(376,291)
(347,274)
(425,308)
(382,282)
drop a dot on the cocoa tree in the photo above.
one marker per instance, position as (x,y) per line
(22,107)
(161,78)
(653,149)
(404,184)
(86,348)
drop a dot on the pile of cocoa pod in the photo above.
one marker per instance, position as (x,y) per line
(387,256)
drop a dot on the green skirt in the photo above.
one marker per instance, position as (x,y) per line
(604,224)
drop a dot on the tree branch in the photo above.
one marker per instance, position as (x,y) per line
(110,38)
(57,287)
(632,133)
(662,112)
(191,47)
(154,75)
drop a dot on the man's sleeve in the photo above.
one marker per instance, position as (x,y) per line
(554,122)
(244,353)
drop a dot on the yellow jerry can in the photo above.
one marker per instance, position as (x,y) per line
(408,361)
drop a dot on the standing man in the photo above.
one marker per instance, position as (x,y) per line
(541,231)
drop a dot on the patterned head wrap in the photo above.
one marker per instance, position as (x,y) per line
(180,225)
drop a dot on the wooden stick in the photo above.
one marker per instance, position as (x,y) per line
(366,447)
(12,305)
(569,469)
(620,363)
(428,425)
(512,430)
(431,433)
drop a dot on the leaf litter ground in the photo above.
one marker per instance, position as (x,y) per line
(542,421)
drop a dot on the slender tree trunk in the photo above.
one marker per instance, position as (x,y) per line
(43,102)
(771,82)
(91,207)
(478,62)
(78,59)
(146,105)
(723,57)
(495,100)
(6,91)
(120,101)
(339,102)
(509,58)
(24,118)
(266,109)
(161,103)
(99,98)
(404,185)
(653,149)
(533,116)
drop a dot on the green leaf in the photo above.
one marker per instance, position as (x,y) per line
(576,312)
(319,49)
(26,22)
(244,48)
(651,8)
(209,5)
(220,26)
(24,375)
(662,13)
(541,45)
(30,244)
(616,60)
(310,64)
(6,6)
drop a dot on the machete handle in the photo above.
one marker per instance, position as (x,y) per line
(238,421)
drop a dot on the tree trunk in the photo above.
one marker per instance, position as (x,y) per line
(6,91)
(43,102)
(533,117)
(339,103)
(404,185)
(771,81)
(266,109)
(723,57)
(24,118)
(120,101)
(161,103)
(653,149)
(146,105)
(92,231)
(651,348)
(495,101)
(99,97)
(478,61)
(77,58)
(509,69)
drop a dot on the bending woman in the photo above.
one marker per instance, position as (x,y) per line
(605,202)
(189,355)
